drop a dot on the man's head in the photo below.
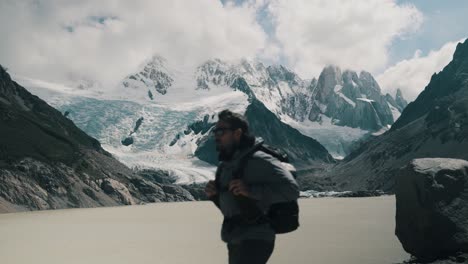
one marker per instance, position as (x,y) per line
(231,132)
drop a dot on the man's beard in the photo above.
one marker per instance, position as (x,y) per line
(226,152)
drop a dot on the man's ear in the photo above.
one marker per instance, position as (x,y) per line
(238,133)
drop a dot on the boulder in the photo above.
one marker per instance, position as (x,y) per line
(432,207)
(197,190)
(460,258)
(116,188)
(127,141)
(176,193)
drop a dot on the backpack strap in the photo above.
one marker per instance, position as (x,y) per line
(239,172)
(250,212)
(275,152)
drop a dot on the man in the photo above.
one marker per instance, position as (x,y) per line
(264,181)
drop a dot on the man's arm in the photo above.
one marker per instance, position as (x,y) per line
(212,192)
(211,188)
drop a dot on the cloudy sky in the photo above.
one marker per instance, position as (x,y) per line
(402,43)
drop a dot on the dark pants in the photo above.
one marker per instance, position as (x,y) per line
(250,252)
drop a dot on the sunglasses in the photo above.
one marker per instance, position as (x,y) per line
(219,131)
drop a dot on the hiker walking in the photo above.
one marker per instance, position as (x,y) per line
(255,192)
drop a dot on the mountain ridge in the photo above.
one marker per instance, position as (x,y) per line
(435,125)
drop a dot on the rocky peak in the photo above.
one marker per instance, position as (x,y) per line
(330,79)
(399,93)
(281,73)
(251,67)
(153,76)
(439,93)
(350,78)
(350,100)
(368,81)
(461,55)
(313,82)
(400,100)
(9,95)
(213,66)
(212,72)
(51,136)
(156,62)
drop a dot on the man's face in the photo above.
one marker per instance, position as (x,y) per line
(226,138)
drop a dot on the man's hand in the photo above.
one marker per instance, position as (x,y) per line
(238,187)
(210,189)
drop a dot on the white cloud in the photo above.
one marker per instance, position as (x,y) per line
(350,34)
(106,40)
(412,75)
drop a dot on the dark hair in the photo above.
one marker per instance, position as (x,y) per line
(236,121)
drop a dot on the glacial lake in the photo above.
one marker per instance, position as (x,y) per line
(333,230)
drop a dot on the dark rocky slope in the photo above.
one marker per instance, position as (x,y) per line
(434,125)
(304,152)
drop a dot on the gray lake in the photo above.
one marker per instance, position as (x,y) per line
(333,230)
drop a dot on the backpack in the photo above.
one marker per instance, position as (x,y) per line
(283,217)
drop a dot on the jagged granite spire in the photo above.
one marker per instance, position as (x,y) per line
(434,125)
(400,100)
(350,100)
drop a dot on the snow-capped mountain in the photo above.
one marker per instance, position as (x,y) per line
(338,109)
(345,97)
(169,132)
(275,86)
(160,115)
(154,76)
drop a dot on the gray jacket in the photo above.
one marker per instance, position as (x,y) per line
(268,181)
